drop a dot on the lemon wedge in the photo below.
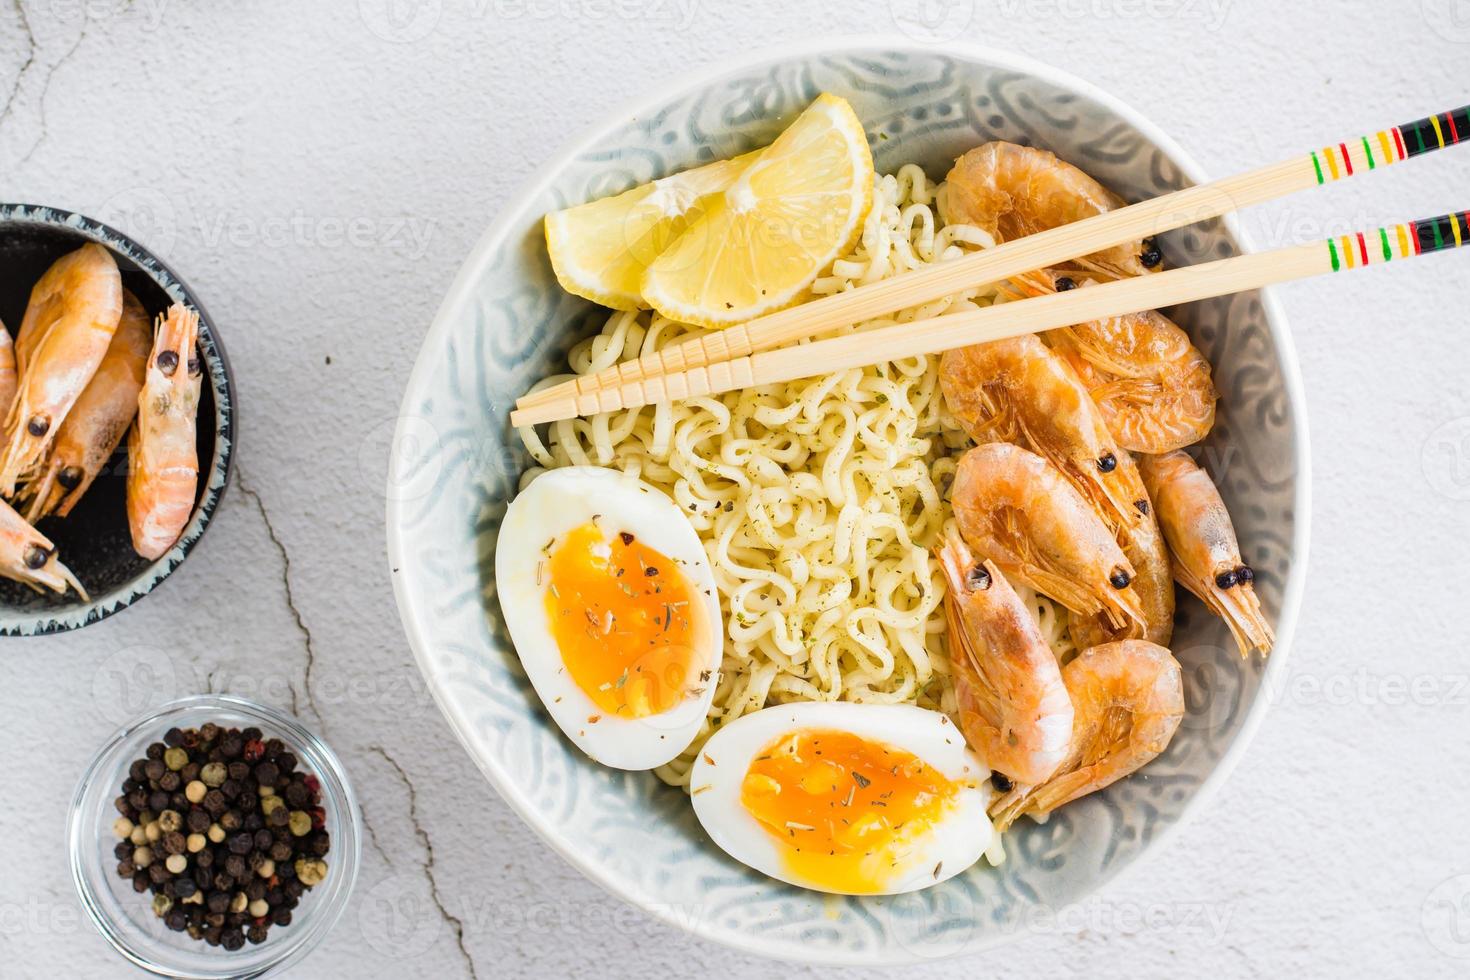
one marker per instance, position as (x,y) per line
(757,246)
(600,250)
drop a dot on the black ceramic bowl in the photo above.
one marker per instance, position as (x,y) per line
(93,540)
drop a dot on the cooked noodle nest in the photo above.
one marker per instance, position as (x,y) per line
(817,500)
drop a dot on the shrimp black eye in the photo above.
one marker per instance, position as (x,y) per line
(1119,579)
(195,367)
(36,556)
(1142,505)
(1107,463)
(39,425)
(1065,283)
(70,477)
(168,362)
(978,579)
(1000,782)
(1227,580)
(1245,575)
(1150,256)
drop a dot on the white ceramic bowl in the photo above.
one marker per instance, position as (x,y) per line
(505,324)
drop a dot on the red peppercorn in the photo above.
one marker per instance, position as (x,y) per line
(254,750)
(318,818)
(312,783)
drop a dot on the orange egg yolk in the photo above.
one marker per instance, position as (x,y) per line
(847,808)
(624,619)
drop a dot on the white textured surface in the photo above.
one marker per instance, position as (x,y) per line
(317,172)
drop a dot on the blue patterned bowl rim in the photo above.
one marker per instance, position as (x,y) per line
(497,235)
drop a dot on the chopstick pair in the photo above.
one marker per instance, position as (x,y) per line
(741,356)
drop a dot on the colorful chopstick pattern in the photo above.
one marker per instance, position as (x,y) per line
(1389,146)
(1400,241)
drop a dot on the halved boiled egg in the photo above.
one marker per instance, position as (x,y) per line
(855,799)
(612,607)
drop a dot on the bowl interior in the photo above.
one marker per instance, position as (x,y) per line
(506,324)
(94,540)
(126,918)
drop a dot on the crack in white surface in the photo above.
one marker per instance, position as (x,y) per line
(423,835)
(33,49)
(301,627)
(25,22)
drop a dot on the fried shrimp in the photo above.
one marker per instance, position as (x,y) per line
(163,463)
(29,557)
(1012,191)
(1018,391)
(1013,707)
(1143,545)
(8,379)
(68,325)
(1202,541)
(1014,508)
(99,419)
(1128,700)
(1152,385)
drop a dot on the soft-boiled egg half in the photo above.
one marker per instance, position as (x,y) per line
(612,607)
(855,799)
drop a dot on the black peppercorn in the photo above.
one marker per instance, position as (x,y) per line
(174,843)
(286,761)
(140,881)
(266,774)
(232,938)
(255,891)
(231,820)
(223,881)
(197,821)
(124,807)
(173,737)
(176,919)
(155,750)
(157,873)
(169,782)
(230,745)
(125,868)
(184,887)
(319,844)
(158,801)
(280,851)
(281,917)
(218,902)
(256,933)
(235,865)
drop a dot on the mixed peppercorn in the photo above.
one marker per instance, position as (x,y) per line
(225,831)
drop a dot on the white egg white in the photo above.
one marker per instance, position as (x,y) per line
(553,504)
(954,843)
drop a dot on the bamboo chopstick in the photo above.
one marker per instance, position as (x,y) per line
(1131,223)
(941,333)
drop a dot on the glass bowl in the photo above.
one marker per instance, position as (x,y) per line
(125,918)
